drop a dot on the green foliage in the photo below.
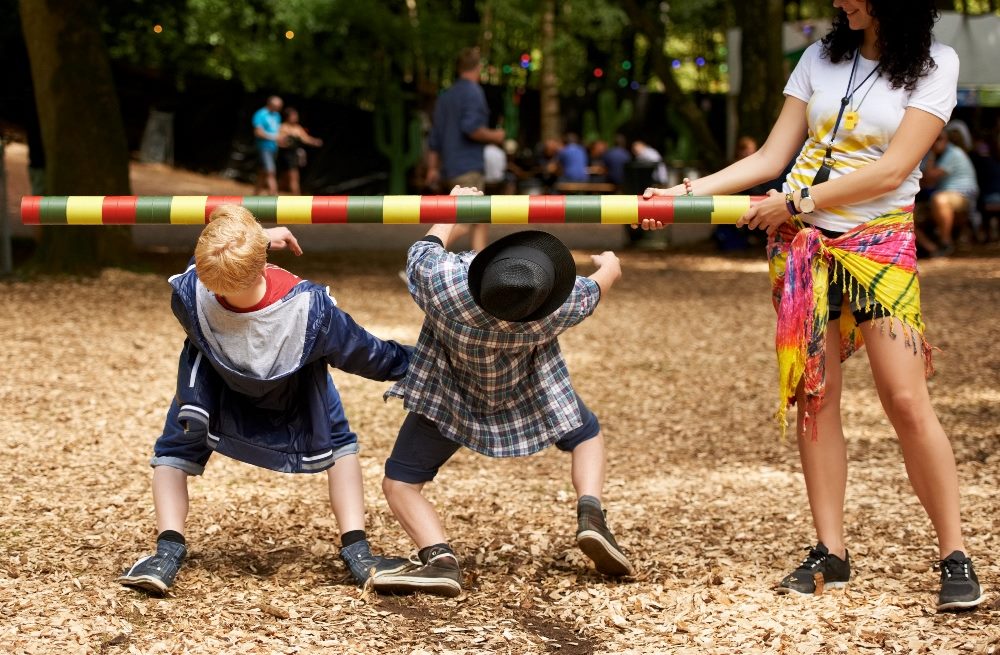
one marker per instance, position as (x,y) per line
(396,138)
(331,48)
(608,120)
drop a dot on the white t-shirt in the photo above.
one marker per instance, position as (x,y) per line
(494,163)
(880,110)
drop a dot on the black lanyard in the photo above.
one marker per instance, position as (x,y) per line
(823,174)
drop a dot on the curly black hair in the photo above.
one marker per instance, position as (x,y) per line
(904,39)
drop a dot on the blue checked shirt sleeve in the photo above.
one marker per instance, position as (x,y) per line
(436,277)
(581,303)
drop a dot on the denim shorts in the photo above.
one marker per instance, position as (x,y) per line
(420,449)
(267,159)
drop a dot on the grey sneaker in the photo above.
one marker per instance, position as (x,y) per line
(959,585)
(363,564)
(155,573)
(596,541)
(439,575)
(834,572)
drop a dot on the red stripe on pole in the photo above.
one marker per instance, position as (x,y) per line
(329,209)
(214,201)
(31,210)
(438,209)
(118,210)
(546,209)
(662,210)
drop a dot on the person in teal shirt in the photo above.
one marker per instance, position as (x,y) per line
(266,125)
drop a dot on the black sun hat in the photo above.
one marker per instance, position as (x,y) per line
(523,276)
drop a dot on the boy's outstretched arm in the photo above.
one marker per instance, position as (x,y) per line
(447,231)
(281,238)
(608,271)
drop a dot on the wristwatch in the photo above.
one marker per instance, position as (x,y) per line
(806,203)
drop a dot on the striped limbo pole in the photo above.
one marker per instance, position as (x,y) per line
(292,210)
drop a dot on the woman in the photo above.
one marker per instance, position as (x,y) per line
(868,102)
(292,138)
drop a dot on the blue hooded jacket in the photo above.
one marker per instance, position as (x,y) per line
(266,398)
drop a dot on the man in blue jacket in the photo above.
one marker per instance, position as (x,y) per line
(253,384)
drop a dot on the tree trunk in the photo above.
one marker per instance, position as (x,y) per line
(548,89)
(652,29)
(86,152)
(763,69)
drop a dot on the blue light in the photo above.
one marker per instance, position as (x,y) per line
(700,61)
(676,63)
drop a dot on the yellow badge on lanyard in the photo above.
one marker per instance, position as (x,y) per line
(851,120)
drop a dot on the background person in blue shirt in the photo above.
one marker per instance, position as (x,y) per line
(459,132)
(949,172)
(266,126)
(572,159)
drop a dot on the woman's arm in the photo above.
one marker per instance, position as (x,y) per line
(912,140)
(783,143)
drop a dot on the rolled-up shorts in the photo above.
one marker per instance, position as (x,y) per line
(420,448)
(188,450)
(267,159)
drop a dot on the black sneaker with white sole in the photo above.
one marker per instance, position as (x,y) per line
(439,574)
(835,572)
(959,585)
(155,573)
(596,541)
(363,564)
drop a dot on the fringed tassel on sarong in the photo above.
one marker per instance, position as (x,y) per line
(877,260)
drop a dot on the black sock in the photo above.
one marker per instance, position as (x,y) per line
(425,553)
(352,537)
(589,500)
(173,536)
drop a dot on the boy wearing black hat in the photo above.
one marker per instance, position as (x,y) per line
(487,374)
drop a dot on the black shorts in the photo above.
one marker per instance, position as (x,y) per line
(420,449)
(835,293)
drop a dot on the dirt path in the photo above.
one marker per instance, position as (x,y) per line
(677,364)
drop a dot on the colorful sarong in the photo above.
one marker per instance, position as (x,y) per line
(876,261)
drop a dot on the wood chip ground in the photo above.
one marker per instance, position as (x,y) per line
(677,363)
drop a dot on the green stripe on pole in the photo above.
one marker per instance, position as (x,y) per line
(364,209)
(265,208)
(693,209)
(52,210)
(583,209)
(153,210)
(473,209)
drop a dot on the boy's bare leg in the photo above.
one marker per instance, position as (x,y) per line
(593,535)
(414,512)
(588,467)
(347,494)
(170,498)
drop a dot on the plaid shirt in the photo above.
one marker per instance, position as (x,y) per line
(498,387)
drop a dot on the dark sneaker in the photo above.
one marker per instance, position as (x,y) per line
(439,575)
(959,585)
(363,564)
(597,542)
(832,571)
(156,573)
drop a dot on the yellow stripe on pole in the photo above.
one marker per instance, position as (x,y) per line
(620,210)
(728,209)
(294,210)
(188,210)
(84,210)
(511,210)
(400,209)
